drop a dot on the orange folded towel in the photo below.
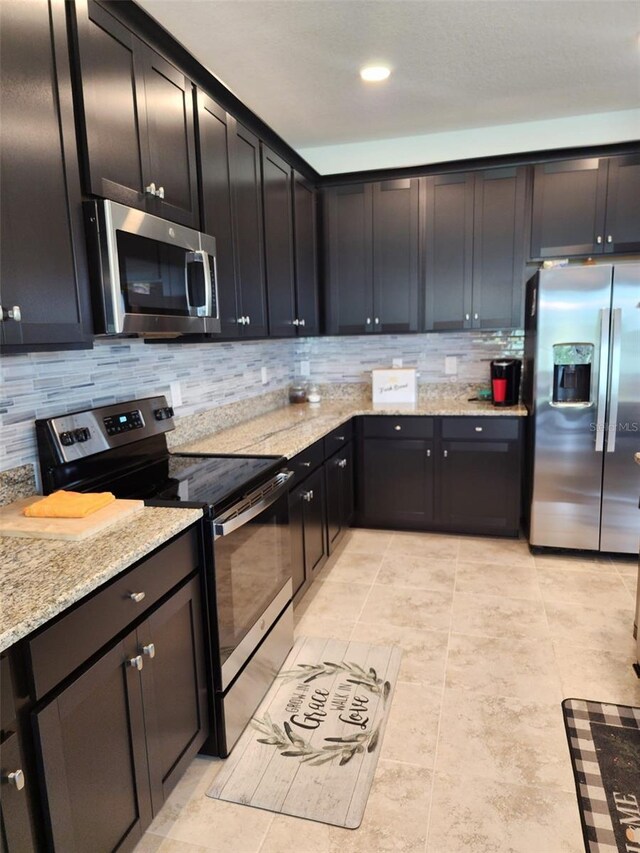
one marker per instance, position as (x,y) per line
(69,505)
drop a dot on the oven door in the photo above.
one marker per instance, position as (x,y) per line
(156,277)
(252,568)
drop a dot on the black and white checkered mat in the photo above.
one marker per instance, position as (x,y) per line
(604,742)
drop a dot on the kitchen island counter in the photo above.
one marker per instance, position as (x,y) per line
(288,431)
(40,578)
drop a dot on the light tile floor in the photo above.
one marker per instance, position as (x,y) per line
(474,759)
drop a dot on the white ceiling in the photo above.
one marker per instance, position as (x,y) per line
(457,64)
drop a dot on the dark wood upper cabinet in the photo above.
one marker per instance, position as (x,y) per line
(448,251)
(306,255)
(216,204)
(622,228)
(569,199)
(396,252)
(278,241)
(498,248)
(348,264)
(43,263)
(246,184)
(138,120)
(372,264)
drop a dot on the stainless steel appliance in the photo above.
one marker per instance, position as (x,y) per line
(122,448)
(149,276)
(583,392)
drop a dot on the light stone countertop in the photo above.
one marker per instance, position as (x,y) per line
(290,430)
(39,578)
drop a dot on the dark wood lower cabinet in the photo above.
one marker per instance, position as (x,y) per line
(339,484)
(396,482)
(116,739)
(308,518)
(16,834)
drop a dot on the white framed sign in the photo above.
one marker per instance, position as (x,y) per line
(394,385)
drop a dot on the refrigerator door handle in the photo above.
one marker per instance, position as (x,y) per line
(602,379)
(614,382)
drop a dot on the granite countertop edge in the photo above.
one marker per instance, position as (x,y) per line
(41,578)
(290,430)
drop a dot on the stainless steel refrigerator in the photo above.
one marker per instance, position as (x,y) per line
(582,355)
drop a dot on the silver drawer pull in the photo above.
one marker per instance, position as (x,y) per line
(428,453)
(446,454)
(136,662)
(16,778)
(13,313)
(342,463)
(307,496)
(302,323)
(137,596)
(160,192)
(305,464)
(609,238)
(598,239)
(339,438)
(149,650)
(151,189)
(296,322)
(397,427)
(478,429)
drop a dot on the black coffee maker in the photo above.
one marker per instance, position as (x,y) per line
(505,381)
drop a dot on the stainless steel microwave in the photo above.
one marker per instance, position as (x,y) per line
(149,276)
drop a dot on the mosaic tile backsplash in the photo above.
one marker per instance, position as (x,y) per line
(39,385)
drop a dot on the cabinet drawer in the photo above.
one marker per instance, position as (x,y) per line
(306,461)
(65,645)
(480,428)
(337,438)
(397,426)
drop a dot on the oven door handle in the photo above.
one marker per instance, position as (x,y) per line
(252,505)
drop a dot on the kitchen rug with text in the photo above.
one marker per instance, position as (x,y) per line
(604,743)
(312,746)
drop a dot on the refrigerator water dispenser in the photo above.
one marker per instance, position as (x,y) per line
(572,373)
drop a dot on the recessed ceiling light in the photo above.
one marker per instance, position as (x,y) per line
(375,73)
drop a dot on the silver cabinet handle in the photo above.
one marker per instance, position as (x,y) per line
(305,464)
(247,319)
(339,438)
(242,321)
(368,321)
(307,496)
(149,650)
(603,371)
(428,453)
(137,596)
(478,429)
(397,427)
(599,239)
(16,778)
(302,323)
(467,316)
(609,238)
(342,463)
(13,313)
(151,189)
(445,454)
(614,378)
(296,322)
(476,317)
(136,662)
(377,321)
(160,192)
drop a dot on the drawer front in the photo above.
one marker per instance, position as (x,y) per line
(397,426)
(487,427)
(64,646)
(305,462)
(337,438)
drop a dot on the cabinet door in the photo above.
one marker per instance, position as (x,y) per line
(213,132)
(314,521)
(397,482)
(395,255)
(339,489)
(479,487)
(174,688)
(172,147)
(15,823)
(43,268)
(113,97)
(278,243)
(306,256)
(622,232)
(498,248)
(93,757)
(448,251)
(348,485)
(568,208)
(348,234)
(247,207)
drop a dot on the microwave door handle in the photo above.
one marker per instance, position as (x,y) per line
(198,257)
(614,381)
(233,519)
(602,379)
(212,290)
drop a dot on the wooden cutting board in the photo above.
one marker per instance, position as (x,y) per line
(13,523)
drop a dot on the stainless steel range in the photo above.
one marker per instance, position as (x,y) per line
(122,449)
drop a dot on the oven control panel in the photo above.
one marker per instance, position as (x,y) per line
(82,434)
